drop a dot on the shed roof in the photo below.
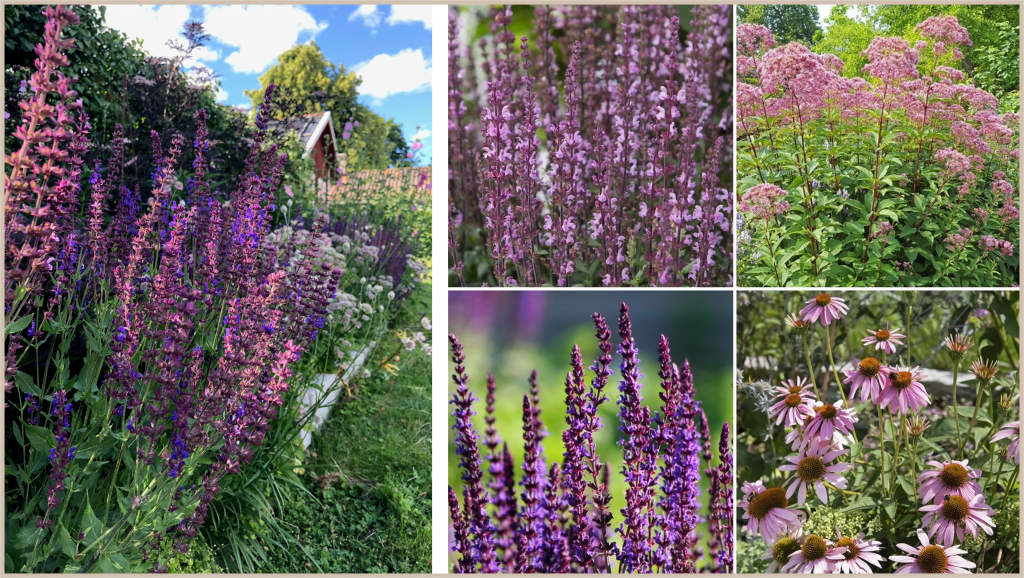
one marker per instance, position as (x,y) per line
(308,127)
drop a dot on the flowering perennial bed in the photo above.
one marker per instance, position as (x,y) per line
(619,178)
(150,346)
(882,472)
(907,176)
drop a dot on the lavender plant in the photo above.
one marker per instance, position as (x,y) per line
(151,347)
(616,175)
(892,460)
(903,176)
(559,520)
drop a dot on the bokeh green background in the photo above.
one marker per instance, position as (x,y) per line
(510,333)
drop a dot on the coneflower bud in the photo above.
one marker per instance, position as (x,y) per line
(1006,402)
(798,323)
(917,425)
(984,370)
(958,344)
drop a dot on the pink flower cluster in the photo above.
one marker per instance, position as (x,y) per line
(944,29)
(957,241)
(764,201)
(891,59)
(988,243)
(752,40)
(907,91)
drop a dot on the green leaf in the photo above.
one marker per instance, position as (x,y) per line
(934,446)
(17,434)
(19,325)
(91,525)
(41,438)
(855,449)
(889,505)
(907,486)
(69,546)
(26,537)
(114,564)
(861,503)
(27,384)
(967,411)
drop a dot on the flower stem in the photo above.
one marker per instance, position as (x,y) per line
(974,418)
(835,373)
(810,366)
(956,411)
(881,444)
(906,355)
(913,468)
(1009,485)
(895,454)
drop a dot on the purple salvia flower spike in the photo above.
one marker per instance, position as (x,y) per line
(475,498)
(507,512)
(725,503)
(532,514)
(575,440)
(638,457)
(460,529)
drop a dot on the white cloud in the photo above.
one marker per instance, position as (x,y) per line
(421,134)
(408,14)
(155,26)
(387,74)
(368,14)
(206,54)
(260,33)
(222,95)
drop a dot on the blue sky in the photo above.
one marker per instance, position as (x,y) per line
(388,46)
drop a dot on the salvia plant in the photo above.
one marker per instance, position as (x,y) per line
(905,176)
(616,174)
(556,517)
(870,470)
(148,344)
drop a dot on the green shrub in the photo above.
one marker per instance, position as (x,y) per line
(198,560)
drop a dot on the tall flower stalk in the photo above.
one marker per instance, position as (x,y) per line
(659,528)
(191,327)
(619,178)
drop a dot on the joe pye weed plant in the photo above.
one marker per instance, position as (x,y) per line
(153,341)
(906,176)
(858,466)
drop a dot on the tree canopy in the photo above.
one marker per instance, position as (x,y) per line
(308,82)
(993,62)
(846,35)
(100,60)
(787,22)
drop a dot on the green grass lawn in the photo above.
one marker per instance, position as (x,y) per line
(369,470)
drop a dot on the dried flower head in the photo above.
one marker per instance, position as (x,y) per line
(958,344)
(917,425)
(984,370)
(799,323)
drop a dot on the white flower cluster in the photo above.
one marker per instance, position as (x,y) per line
(411,341)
